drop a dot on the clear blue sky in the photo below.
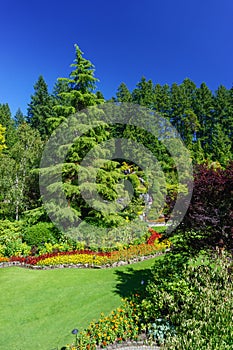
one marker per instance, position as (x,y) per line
(164,40)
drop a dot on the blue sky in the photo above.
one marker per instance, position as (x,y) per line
(165,41)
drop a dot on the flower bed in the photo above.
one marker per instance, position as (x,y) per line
(121,325)
(4,259)
(89,258)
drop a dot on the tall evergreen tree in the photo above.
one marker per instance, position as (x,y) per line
(76,92)
(223,110)
(123,94)
(162,99)
(40,109)
(203,108)
(19,118)
(143,94)
(221,145)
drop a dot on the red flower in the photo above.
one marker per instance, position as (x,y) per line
(154,235)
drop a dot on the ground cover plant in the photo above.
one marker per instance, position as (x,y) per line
(39,309)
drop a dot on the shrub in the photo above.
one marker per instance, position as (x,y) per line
(210,214)
(40,233)
(11,239)
(196,298)
(8,227)
(16,248)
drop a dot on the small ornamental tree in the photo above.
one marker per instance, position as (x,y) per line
(211,208)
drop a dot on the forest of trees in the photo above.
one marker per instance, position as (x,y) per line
(203,118)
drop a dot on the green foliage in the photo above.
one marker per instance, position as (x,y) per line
(7,122)
(40,233)
(2,138)
(204,320)
(159,330)
(11,243)
(19,118)
(184,292)
(11,227)
(76,92)
(123,94)
(40,109)
(18,187)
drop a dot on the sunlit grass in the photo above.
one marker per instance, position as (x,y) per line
(39,309)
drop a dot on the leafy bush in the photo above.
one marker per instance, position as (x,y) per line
(40,233)
(57,247)
(9,227)
(159,330)
(196,298)
(11,239)
(16,248)
(210,214)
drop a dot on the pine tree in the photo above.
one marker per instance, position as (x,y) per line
(143,94)
(203,108)
(19,118)
(76,92)
(74,95)
(40,109)
(221,146)
(123,94)
(223,110)
(162,99)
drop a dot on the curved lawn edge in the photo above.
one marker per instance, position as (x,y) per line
(81,266)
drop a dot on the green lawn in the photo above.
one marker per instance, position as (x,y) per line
(39,308)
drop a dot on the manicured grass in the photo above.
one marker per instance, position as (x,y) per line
(39,308)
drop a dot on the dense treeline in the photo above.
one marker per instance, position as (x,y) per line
(204,120)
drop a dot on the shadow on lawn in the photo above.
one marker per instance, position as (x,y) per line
(132,281)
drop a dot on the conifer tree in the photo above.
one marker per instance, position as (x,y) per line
(76,92)
(143,94)
(203,108)
(162,99)
(223,110)
(74,95)
(123,94)
(40,109)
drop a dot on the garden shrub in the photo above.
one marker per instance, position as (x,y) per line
(10,228)
(209,219)
(196,298)
(40,233)
(11,239)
